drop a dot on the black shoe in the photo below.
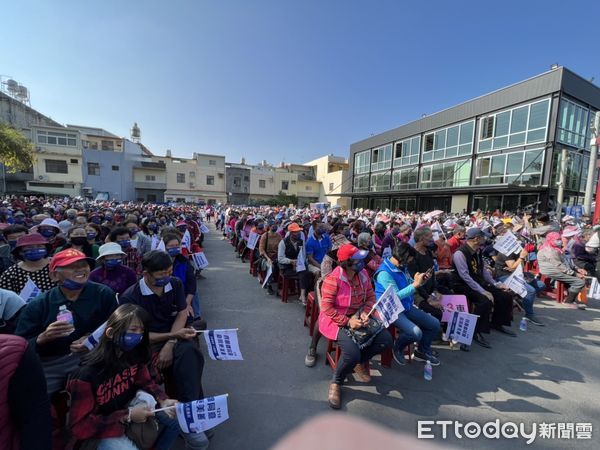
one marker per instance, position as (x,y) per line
(465,348)
(270,289)
(481,340)
(505,330)
(209,434)
(534,320)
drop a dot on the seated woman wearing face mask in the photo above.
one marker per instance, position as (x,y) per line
(347,298)
(415,324)
(551,264)
(31,252)
(78,240)
(112,272)
(105,389)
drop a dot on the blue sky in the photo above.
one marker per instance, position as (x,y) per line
(276,79)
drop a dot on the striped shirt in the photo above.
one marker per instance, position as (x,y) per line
(362,296)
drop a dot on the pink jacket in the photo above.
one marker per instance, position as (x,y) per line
(332,318)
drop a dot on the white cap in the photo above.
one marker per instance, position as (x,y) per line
(111,248)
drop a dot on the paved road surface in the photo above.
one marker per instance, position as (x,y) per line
(548,374)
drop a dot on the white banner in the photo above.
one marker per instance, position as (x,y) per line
(223,345)
(202,415)
(507,244)
(93,339)
(389,306)
(199,260)
(594,291)
(516,282)
(29,291)
(461,327)
(268,275)
(204,228)
(187,240)
(252,240)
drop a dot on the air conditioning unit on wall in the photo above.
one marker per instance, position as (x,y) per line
(42,178)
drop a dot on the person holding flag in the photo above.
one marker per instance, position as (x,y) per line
(347,298)
(415,324)
(113,389)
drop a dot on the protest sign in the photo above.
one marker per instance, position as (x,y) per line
(155,242)
(199,260)
(461,327)
(202,415)
(453,303)
(389,306)
(594,291)
(387,252)
(252,240)
(223,345)
(186,241)
(300,261)
(507,244)
(93,339)
(516,282)
(204,228)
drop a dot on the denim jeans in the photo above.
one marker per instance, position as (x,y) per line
(532,289)
(416,326)
(170,432)
(196,305)
(116,443)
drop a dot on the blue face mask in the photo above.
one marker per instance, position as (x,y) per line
(152,226)
(129,341)
(72,285)
(125,243)
(96,220)
(35,254)
(108,218)
(12,244)
(19,220)
(91,236)
(173,251)
(70,217)
(358,266)
(47,233)
(112,263)
(161,282)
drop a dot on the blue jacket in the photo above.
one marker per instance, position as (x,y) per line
(402,280)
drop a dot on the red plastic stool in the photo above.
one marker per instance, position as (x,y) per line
(387,356)
(253,269)
(560,292)
(311,313)
(332,356)
(287,287)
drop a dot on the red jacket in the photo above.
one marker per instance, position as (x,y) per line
(11,352)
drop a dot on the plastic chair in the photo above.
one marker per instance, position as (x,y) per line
(286,287)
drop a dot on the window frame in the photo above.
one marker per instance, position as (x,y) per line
(505,175)
(58,162)
(180,178)
(433,150)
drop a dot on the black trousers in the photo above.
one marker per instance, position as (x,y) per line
(482,306)
(352,355)
(305,278)
(187,368)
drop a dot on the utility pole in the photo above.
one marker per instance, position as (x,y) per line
(587,202)
(561,182)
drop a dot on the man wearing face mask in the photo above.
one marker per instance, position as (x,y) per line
(163,297)
(267,248)
(57,322)
(289,251)
(122,236)
(476,282)
(112,272)
(317,247)
(552,265)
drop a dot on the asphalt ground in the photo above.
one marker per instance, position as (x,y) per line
(546,375)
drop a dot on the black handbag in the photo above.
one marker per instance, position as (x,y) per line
(363,337)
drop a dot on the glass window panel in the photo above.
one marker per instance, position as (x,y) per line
(484,167)
(452,136)
(538,113)
(533,161)
(466,133)
(514,164)
(426,174)
(497,167)
(438,154)
(496,180)
(464,149)
(500,142)
(448,174)
(502,122)
(451,151)
(51,140)
(416,145)
(62,141)
(72,142)
(462,174)
(519,120)
(437,174)
(530,180)
(440,140)
(536,136)
(485,146)
(516,139)
(511,179)
(427,156)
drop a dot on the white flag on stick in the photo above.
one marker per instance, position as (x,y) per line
(29,291)
(223,345)
(516,282)
(155,242)
(204,228)
(389,306)
(594,291)
(93,339)
(268,275)
(300,261)
(461,327)
(199,261)
(202,415)
(186,241)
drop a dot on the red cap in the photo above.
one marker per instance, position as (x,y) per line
(67,257)
(349,251)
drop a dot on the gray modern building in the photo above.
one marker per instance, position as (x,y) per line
(499,151)
(237,183)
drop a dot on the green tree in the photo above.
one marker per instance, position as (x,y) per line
(16,152)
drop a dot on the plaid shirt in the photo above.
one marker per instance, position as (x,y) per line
(99,404)
(133,260)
